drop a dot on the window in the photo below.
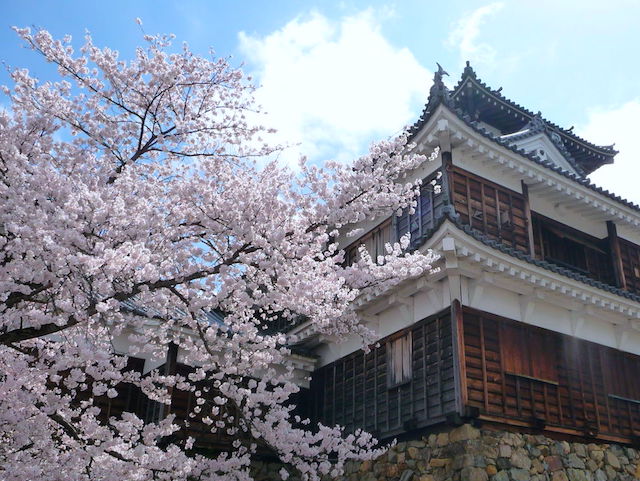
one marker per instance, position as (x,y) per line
(399,360)
(374,241)
(562,249)
(621,375)
(422,220)
(528,352)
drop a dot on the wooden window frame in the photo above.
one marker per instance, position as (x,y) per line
(531,359)
(351,251)
(400,347)
(421,217)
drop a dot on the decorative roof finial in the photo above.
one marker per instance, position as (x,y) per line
(438,90)
(536,123)
(468,71)
(438,75)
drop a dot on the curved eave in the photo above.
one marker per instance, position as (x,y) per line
(434,125)
(503,101)
(494,256)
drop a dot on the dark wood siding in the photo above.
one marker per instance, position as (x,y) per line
(374,240)
(428,209)
(575,250)
(577,386)
(353,391)
(630,254)
(492,209)
(129,398)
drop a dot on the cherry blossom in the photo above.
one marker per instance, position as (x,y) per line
(136,197)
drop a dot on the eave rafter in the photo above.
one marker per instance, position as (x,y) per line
(534,284)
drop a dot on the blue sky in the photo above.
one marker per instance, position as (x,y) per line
(336,75)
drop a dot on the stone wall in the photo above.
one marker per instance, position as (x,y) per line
(468,454)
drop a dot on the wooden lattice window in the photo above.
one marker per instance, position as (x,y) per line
(399,353)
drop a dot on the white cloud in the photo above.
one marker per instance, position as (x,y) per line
(466,32)
(619,125)
(333,86)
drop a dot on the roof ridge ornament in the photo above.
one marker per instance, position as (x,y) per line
(468,71)
(439,89)
(536,122)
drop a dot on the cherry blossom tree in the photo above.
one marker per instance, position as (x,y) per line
(136,198)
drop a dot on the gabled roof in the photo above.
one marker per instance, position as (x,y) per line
(440,95)
(537,126)
(481,103)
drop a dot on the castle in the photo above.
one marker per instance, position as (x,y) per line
(532,322)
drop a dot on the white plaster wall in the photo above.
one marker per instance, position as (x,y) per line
(629,233)
(595,326)
(499,174)
(555,211)
(425,303)
(541,141)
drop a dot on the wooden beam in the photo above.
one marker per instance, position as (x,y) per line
(447,181)
(459,370)
(616,258)
(527,213)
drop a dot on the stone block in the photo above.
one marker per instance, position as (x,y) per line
(392,471)
(537,466)
(578,475)
(600,475)
(521,460)
(491,470)
(442,439)
(519,474)
(554,463)
(365,466)
(597,455)
(580,449)
(559,476)
(413,452)
(473,474)
(503,463)
(439,462)
(612,460)
(610,472)
(490,452)
(463,433)
(504,451)
(513,439)
(501,476)
(573,461)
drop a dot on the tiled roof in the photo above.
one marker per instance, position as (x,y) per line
(469,74)
(444,98)
(537,126)
(499,246)
(546,163)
